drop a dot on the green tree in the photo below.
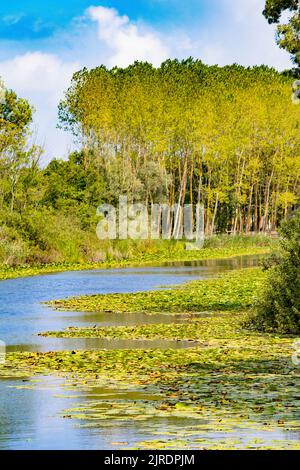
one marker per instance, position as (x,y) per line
(279,309)
(15,152)
(288,34)
(186,132)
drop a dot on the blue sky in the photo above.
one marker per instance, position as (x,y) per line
(43,43)
(31,19)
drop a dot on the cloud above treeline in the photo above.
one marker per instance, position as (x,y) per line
(102,35)
(126,40)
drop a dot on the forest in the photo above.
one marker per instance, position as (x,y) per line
(154,342)
(184,133)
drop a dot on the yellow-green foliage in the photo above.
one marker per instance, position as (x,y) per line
(227,137)
(229,291)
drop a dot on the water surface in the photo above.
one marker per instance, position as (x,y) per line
(32,418)
(31,412)
(23,316)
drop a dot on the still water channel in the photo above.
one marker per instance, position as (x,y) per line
(31,412)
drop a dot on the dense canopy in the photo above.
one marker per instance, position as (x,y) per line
(181,133)
(186,132)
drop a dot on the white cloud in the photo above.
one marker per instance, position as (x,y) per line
(238,34)
(245,10)
(127,41)
(243,35)
(41,78)
(37,72)
(12,19)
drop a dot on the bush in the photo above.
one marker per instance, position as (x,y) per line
(279,308)
(13,250)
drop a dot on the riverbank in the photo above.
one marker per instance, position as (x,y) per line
(235,389)
(216,248)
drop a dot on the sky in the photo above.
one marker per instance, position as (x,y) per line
(43,43)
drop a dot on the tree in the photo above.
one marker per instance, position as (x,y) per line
(288,34)
(184,132)
(15,152)
(279,309)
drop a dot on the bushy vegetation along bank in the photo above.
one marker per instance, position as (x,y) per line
(278,309)
(183,133)
(136,253)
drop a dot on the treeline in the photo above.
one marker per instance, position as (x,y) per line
(183,133)
(227,138)
(42,214)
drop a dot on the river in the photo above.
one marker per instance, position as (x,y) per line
(31,411)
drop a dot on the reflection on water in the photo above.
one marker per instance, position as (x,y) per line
(33,419)
(130,319)
(30,417)
(70,344)
(217,265)
(23,316)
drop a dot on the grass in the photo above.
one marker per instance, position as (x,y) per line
(152,253)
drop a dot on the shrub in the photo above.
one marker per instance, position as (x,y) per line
(13,250)
(279,308)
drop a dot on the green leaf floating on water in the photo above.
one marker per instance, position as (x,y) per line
(230,291)
(235,384)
